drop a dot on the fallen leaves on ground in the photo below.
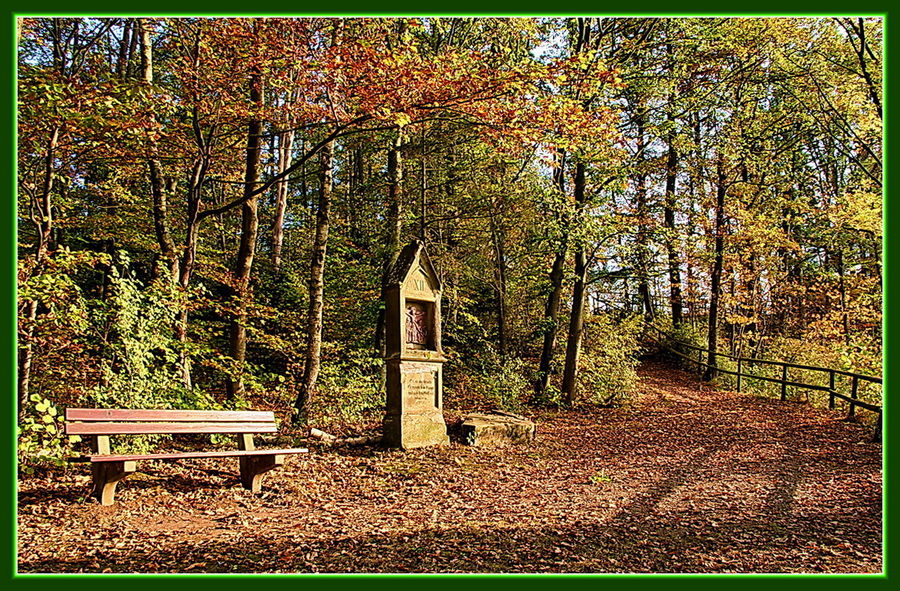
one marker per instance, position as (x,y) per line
(683,480)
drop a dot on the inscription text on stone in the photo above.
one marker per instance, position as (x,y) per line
(420,386)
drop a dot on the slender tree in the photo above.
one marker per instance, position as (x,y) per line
(313,356)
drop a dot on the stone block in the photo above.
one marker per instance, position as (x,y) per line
(497,428)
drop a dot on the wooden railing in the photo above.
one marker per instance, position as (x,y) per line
(855,378)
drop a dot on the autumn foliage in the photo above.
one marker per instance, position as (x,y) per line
(192,191)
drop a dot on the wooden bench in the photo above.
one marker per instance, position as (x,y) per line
(108,469)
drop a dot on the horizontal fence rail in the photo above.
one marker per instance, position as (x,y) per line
(852,399)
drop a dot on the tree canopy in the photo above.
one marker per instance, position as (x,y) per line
(208,206)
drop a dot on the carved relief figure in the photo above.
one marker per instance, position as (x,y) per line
(416,324)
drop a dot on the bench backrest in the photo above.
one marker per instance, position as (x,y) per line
(100,421)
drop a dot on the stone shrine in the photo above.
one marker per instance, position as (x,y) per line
(413,355)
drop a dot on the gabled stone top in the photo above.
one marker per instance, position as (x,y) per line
(411,258)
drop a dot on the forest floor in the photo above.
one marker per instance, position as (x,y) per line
(685,479)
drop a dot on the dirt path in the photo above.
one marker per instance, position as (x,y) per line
(683,481)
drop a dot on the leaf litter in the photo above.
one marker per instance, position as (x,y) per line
(682,480)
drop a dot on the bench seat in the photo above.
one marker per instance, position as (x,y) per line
(187,455)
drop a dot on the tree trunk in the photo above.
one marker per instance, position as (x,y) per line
(859,31)
(394,226)
(845,317)
(576,320)
(43,219)
(159,192)
(357,217)
(716,278)
(247,249)
(423,188)
(732,329)
(130,62)
(44,203)
(312,360)
(285,148)
(643,217)
(551,310)
(26,355)
(695,174)
(500,277)
(675,299)
(751,328)
(285,156)
(395,200)
(123,57)
(189,258)
(157,183)
(551,323)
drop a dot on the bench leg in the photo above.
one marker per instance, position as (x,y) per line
(106,476)
(253,468)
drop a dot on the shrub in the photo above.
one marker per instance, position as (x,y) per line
(140,363)
(40,435)
(488,382)
(348,388)
(607,374)
(141,367)
(504,384)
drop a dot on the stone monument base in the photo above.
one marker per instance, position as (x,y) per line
(415,430)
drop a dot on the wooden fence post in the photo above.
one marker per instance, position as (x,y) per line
(740,361)
(784,381)
(831,390)
(854,392)
(876,436)
(700,362)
